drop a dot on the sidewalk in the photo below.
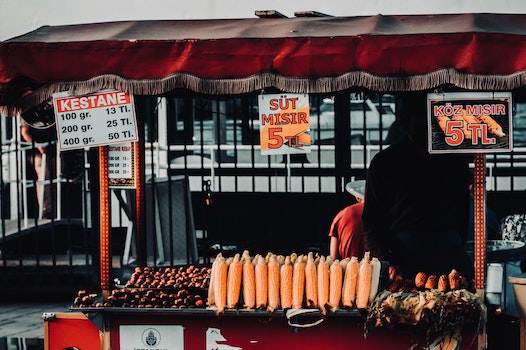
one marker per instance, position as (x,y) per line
(21,323)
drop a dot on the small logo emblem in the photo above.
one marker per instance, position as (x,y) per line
(151,337)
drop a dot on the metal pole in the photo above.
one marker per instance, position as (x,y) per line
(105,223)
(289,180)
(479,194)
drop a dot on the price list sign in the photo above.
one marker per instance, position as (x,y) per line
(121,169)
(102,118)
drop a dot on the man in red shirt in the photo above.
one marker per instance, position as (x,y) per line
(345,234)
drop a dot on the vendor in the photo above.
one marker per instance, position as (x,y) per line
(345,233)
(417,209)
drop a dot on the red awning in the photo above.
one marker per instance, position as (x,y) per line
(300,54)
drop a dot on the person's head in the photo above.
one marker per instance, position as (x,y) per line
(414,111)
(357,189)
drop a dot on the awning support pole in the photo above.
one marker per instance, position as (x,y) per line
(479,194)
(105,223)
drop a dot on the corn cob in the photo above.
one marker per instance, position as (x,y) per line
(364,282)
(493,126)
(329,260)
(311,283)
(443,284)
(376,266)
(233,285)
(454,280)
(293,258)
(344,263)
(249,282)
(285,285)
(280,259)
(261,272)
(245,256)
(220,280)
(335,285)
(323,284)
(420,280)
(298,283)
(210,299)
(431,282)
(349,283)
(317,260)
(442,122)
(273,284)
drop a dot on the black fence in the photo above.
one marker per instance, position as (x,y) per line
(232,197)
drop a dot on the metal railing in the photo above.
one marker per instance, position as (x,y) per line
(505,171)
(229,166)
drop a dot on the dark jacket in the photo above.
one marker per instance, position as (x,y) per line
(417,208)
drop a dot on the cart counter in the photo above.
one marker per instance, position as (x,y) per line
(190,329)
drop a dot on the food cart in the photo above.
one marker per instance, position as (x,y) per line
(306,54)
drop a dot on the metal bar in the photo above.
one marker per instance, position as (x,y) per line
(105,222)
(140,208)
(480,234)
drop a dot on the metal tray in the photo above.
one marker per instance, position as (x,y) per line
(498,251)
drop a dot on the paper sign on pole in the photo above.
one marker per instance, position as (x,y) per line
(284,123)
(121,166)
(98,119)
(477,122)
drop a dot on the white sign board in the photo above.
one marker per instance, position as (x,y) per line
(98,119)
(150,337)
(284,123)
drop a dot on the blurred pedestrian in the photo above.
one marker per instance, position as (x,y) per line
(37,127)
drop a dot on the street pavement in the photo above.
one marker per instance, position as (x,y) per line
(22,325)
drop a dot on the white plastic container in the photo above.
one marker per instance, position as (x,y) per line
(494,281)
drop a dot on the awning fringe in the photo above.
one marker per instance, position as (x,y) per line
(258,82)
